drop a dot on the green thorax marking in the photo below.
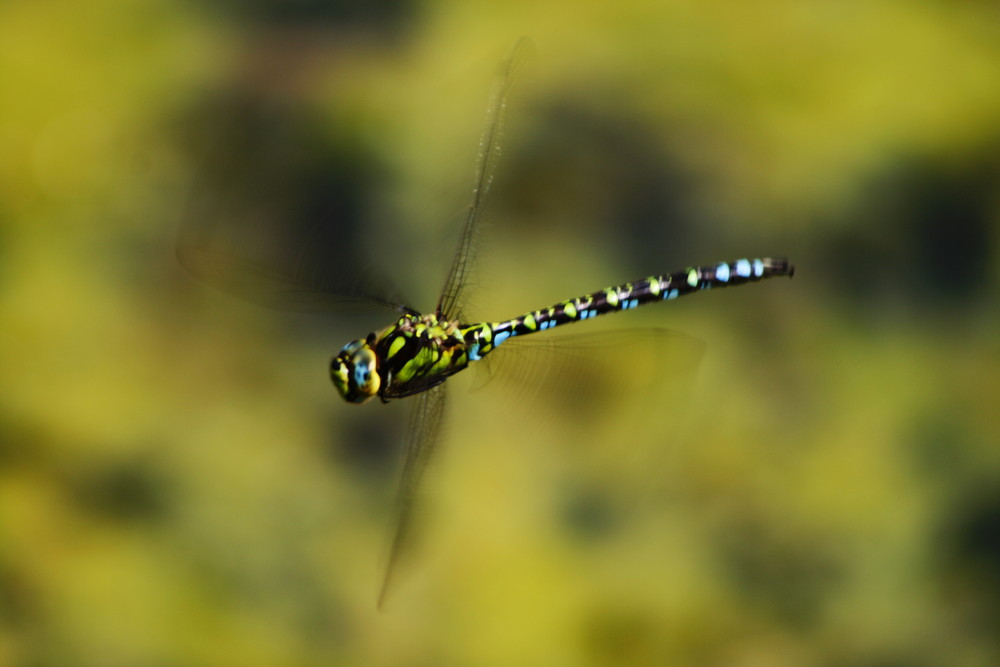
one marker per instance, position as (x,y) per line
(418,352)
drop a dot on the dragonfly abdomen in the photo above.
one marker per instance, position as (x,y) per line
(483,338)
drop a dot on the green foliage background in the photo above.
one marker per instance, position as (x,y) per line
(179,484)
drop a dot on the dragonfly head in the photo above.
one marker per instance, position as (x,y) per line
(355,371)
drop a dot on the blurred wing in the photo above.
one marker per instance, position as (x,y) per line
(283,285)
(581,373)
(278,209)
(450,301)
(425,430)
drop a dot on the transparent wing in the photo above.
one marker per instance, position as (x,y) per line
(278,209)
(428,412)
(489,155)
(425,430)
(615,404)
(284,285)
(581,373)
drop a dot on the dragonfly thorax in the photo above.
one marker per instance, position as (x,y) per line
(355,371)
(412,355)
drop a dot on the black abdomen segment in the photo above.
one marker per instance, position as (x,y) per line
(648,290)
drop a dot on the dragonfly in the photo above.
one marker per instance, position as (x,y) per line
(416,353)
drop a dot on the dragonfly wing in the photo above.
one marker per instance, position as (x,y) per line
(616,404)
(425,429)
(581,372)
(507,78)
(283,285)
(280,212)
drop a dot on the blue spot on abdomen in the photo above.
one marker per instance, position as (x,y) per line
(722,273)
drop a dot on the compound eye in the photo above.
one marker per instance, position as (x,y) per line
(354,372)
(366,379)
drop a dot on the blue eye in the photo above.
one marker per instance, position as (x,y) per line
(351,348)
(362,374)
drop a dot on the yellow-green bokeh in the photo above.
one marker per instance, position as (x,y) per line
(179,484)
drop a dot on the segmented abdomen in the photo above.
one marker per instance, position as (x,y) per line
(483,338)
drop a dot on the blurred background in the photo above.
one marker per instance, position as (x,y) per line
(810,476)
